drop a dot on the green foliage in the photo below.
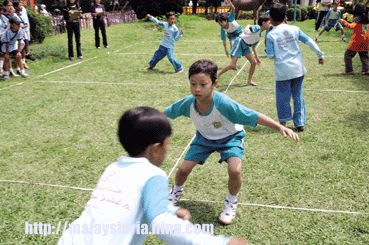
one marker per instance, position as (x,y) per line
(310,9)
(40,26)
(157,7)
(48,50)
(304,13)
(290,13)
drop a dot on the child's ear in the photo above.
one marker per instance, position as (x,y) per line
(215,83)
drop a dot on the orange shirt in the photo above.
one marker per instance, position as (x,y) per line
(360,37)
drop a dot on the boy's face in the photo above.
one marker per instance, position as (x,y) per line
(15,27)
(335,6)
(202,87)
(159,157)
(223,23)
(171,20)
(266,25)
(19,7)
(97,2)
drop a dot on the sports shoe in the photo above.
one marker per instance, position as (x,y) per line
(80,57)
(6,78)
(71,58)
(301,128)
(98,47)
(229,212)
(12,74)
(31,57)
(24,75)
(283,123)
(175,196)
(26,66)
(107,46)
(344,39)
(315,39)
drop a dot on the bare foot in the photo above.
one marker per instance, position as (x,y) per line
(148,68)
(251,83)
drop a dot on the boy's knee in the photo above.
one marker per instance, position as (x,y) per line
(234,173)
(183,171)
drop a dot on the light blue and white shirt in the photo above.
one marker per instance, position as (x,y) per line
(225,117)
(3,25)
(130,194)
(24,18)
(233,27)
(253,37)
(282,45)
(171,34)
(12,38)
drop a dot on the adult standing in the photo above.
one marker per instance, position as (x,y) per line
(71,16)
(326,4)
(98,12)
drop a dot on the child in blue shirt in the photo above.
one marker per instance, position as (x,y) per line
(166,47)
(242,44)
(219,121)
(131,196)
(228,25)
(282,45)
(333,16)
(12,44)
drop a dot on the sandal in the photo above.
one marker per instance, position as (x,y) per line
(348,73)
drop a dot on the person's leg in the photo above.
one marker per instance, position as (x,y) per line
(231,42)
(70,39)
(103,32)
(317,36)
(364,62)
(299,109)
(233,64)
(176,64)
(19,65)
(7,66)
(97,37)
(320,18)
(77,33)
(349,54)
(251,59)
(283,98)
(158,56)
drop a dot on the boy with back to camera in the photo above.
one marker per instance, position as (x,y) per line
(283,46)
(249,38)
(333,16)
(166,48)
(219,121)
(133,192)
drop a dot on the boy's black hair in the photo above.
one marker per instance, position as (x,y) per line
(140,127)
(2,8)
(221,17)
(16,4)
(6,2)
(278,12)
(206,67)
(262,19)
(360,14)
(168,14)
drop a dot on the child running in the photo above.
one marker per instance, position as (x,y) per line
(219,121)
(283,46)
(228,25)
(166,47)
(242,44)
(359,40)
(131,197)
(333,16)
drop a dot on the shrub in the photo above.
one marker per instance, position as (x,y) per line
(310,14)
(290,13)
(304,13)
(48,50)
(40,26)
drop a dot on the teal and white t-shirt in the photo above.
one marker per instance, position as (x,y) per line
(253,37)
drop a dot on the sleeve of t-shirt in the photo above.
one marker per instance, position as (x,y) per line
(255,28)
(20,34)
(155,197)
(235,112)
(4,38)
(157,21)
(312,45)
(339,14)
(231,17)
(180,108)
(269,49)
(328,14)
(222,34)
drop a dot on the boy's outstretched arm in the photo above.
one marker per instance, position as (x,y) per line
(230,4)
(270,123)
(312,45)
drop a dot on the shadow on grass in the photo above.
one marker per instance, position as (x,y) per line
(359,80)
(202,213)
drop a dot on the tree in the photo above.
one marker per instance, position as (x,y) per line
(156,7)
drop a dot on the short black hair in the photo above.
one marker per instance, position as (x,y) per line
(168,14)
(2,8)
(140,127)
(221,17)
(278,12)
(262,19)
(360,14)
(16,4)
(6,2)
(206,67)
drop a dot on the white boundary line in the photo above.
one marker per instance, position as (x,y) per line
(175,54)
(243,204)
(107,83)
(11,86)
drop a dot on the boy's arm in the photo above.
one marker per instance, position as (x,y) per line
(348,25)
(270,123)
(230,4)
(152,18)
(269,48)
(258,61)
(312,45)
(178,35)
(232,16)
(225,47)
(180,108)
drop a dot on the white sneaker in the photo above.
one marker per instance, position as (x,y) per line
(344,39)
(175,196)
(315,39)
(12,74)
(229,212)
(25,75)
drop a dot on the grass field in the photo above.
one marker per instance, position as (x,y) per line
(59,127)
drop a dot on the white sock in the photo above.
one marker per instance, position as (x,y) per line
(177,188)
(232,198)
(11,70)
(6,73)
(18,68)
(1,65)
(24,61)
(22,72)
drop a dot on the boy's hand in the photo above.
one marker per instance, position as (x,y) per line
(183,214)
(258,61)
(227,53)
(247,29)
(227,1)
(321,61)
(148,16)
(181,33)
(288,132)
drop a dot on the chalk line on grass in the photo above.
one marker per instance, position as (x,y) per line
(216,202)
(11,86)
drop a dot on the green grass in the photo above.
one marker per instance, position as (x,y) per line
(60,128)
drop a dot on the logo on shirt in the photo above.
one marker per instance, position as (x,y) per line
(365,29)
(285,33)
(217,124)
